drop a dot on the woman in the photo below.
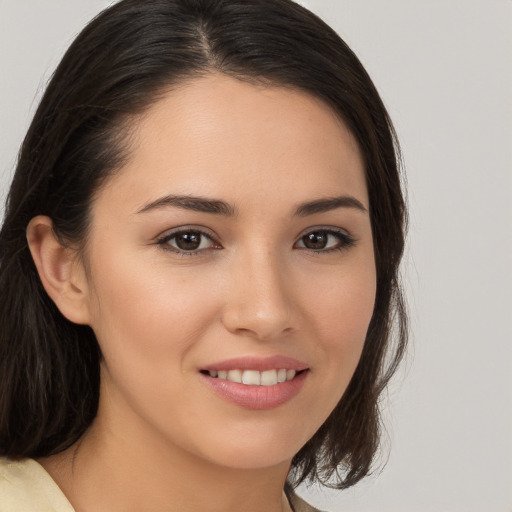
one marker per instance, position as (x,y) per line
(198,266)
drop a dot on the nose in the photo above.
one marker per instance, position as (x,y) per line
(259,300)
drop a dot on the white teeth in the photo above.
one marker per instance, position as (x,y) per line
(251,377)
(235,375)
(269,378)
(254,377)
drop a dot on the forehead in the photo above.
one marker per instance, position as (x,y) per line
(218,136)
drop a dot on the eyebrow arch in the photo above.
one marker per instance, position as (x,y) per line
(198,204)
(329,203)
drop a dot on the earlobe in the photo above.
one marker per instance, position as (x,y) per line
(60,271)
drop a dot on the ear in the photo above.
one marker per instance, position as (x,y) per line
(60,270)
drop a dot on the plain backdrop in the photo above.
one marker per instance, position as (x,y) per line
(444,69)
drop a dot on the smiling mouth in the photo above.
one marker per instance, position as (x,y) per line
(254,377)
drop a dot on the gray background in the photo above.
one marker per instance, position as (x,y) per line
(444,70)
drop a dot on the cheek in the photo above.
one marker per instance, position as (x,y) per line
(141,313)
(341,316)
(344,307)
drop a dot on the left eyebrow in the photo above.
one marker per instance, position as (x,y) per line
(328,204)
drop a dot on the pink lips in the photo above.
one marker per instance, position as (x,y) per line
(256,397)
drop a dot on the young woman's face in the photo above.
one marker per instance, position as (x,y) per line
(234,245)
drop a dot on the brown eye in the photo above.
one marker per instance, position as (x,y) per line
(190,241)
(325,240)
(315,240)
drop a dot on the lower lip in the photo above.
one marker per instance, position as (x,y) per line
(256,397)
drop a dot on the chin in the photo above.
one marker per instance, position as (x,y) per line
(256,447)
(253,459)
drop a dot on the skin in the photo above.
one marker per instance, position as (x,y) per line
(162,440)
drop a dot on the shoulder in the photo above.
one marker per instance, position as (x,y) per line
(298,504)
(26,487)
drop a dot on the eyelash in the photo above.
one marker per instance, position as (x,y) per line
(345,241)
(164,241)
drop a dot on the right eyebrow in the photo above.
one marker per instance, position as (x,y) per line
(195,203)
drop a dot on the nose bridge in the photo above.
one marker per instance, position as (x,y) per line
(259,301)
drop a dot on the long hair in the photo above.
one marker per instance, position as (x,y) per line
(118,66)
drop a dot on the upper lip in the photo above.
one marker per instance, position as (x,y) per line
(257,363)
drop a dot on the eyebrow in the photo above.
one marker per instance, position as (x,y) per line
(328,204)
(218,207)
(197,204)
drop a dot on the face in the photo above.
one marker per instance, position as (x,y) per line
(235,245)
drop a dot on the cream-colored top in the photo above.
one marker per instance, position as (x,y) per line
(25,486)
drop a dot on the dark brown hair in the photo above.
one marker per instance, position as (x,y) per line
(117,67)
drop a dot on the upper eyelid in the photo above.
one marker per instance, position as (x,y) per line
(328,229)
(209,232)
(168,233)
